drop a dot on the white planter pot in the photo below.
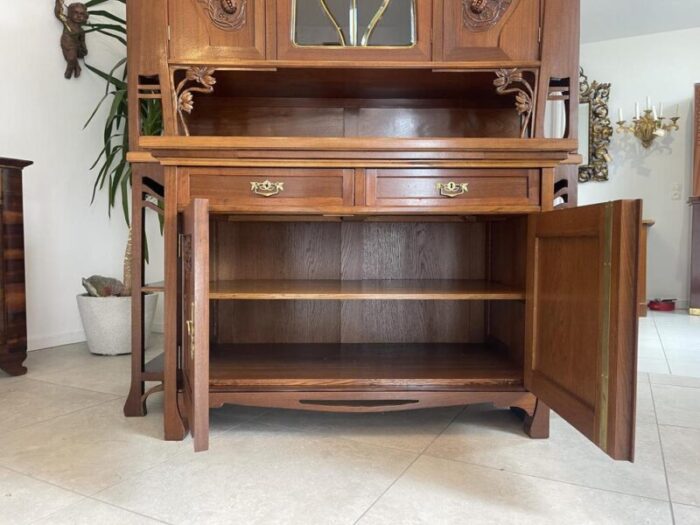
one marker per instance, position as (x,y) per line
(107,322)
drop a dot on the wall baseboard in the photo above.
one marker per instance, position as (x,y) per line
(50,341)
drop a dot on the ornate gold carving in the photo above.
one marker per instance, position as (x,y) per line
(452,189)
(184,96)
(524,96)
(600,129)
(228,15)
(267,188)
(482,15)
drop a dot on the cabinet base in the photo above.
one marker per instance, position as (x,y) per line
(13,365)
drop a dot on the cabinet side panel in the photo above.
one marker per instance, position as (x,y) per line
(147,49)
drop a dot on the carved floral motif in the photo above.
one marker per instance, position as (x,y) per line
(228,15)
(481,15)
(506,84)
(195,77)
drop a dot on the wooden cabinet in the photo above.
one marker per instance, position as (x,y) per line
(404,315)
(490,30)
(357,201)
(211,30)
(13,321)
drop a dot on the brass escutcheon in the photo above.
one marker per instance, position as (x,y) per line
(267,188)
(452,189)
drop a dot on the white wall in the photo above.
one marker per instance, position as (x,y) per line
(664,66)
(41,119)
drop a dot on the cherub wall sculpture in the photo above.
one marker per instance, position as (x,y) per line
(73,38)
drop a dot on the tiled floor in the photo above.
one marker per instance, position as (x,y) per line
(68,456)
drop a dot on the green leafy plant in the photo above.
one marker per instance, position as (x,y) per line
(113,169)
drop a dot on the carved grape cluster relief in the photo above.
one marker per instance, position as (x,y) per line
(228,15)
(481,15)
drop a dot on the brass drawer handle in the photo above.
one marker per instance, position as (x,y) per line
(267,188)
(452,189)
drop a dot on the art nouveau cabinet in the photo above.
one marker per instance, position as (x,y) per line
(359,208)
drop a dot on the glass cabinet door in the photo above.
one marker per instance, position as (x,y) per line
(354,23)
(352,30)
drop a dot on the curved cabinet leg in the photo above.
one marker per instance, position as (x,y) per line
(535,420)
(14,366)
(135,405)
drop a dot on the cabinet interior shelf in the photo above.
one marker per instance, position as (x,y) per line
(340,290)
(341,366)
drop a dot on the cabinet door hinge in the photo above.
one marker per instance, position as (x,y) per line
(179,245)
(539,35)
(168,33)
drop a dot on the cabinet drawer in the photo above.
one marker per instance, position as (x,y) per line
(270,188)
(453,187)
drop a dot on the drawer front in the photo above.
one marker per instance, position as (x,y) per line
(261,189)
(446,188)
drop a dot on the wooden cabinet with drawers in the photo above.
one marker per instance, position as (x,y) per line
(358,203)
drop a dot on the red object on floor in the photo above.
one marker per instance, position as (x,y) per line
(662,305)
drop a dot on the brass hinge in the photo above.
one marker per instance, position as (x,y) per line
(168,33)
(539,34)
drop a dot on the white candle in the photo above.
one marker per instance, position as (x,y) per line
(621,117)
(661,110)
(653,112)
(636,110)
(648,103)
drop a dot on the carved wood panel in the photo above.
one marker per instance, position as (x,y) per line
(486,29)
(217,29)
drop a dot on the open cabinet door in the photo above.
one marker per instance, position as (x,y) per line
(581,324)
(194,245)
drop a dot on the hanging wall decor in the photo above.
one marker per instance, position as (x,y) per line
(73,44)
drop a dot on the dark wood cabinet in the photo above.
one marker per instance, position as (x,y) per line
(13,320)
(361,218)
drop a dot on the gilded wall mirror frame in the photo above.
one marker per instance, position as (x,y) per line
(595,130)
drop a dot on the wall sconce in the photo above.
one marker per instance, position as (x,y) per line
(649,126)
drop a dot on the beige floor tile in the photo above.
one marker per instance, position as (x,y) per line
(666,379)
(682,454)
(494,438)
(646,414)
(686,514)
(653,366)
(676,405)
(438,491)
(684,368)
(26,402)
(91,512)
(261,474)
(89,450)
(411,430)
(25,500)
(75,366)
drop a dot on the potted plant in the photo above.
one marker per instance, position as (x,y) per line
(105,309)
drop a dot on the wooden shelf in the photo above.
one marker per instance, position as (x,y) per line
(153,371)
(268,367)
(383,290)
(153,287)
